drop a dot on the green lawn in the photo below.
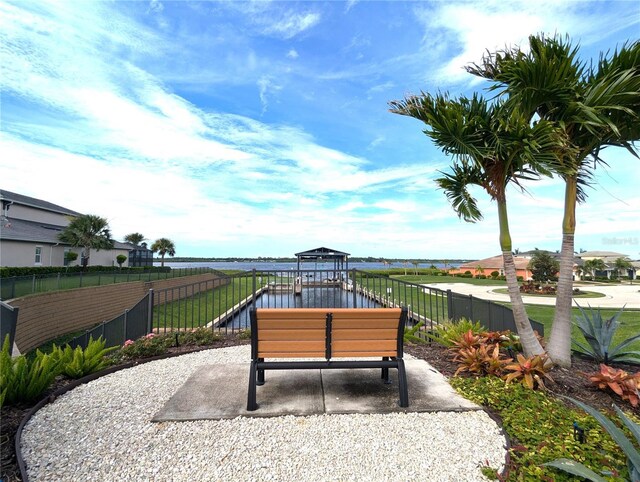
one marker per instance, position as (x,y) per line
(202,308)
(424,279)
(630,322)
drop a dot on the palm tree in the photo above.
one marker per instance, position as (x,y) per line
(594,265)
(415,266)
(163,246)
(493,146)
(134,238)
(596,106)
(87,231)
(622,265)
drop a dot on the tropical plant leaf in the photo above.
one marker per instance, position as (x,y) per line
(575,468)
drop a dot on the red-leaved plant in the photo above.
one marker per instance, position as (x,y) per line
(528,371)
(624,384)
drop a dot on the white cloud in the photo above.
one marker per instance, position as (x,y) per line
(292,54)
(290,24)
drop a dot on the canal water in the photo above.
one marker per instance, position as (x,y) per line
(311,297)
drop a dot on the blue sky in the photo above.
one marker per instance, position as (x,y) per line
(262,128)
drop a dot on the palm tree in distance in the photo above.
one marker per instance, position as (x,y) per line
(596,106)
(87,231)
(134,238)
(493,146)
(163,246)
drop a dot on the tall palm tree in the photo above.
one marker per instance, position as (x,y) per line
(87,231)
(493,146)
(134,238)
(163,246)
(596,106)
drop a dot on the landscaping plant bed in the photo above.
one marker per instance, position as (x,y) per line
(568,382)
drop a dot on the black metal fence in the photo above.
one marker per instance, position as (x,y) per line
(130,325)
(8,321)
(493,316)
(222,304)
(17,286)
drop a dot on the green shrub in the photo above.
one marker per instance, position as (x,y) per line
(541,429)
(78,363)
(244,334)
(447,333)
(495,274)
(146,346)
(22,380)
(198,337)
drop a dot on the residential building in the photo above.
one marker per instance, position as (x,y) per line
(29,230)
(609,258)
(495,263)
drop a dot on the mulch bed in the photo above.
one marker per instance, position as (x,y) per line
(570,382)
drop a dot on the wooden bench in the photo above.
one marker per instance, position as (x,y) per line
(327,333)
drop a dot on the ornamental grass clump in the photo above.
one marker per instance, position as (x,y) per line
(599,334)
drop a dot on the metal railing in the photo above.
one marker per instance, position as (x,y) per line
(17,286)
(222,304)
(8,322)
(130,325)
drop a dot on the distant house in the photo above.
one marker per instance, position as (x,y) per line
(609,258)
(29,230)
(495,263)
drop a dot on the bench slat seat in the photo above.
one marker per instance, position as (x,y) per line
(327,333)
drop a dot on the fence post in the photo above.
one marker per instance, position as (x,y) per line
(98,278)
(33,284)
(58,282)
(150,312)
(13,287)
(355,298)
(471,308)
(450,310)
(81,279)
(253,292)
(125,326)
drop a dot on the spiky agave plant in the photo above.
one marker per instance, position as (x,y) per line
(599,333)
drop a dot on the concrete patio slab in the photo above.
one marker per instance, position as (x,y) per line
(220,392)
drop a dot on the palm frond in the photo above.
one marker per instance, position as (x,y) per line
(456,187)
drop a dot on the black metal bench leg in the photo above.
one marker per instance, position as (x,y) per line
(260,374)
(402,384)
(251,393)
(385,372)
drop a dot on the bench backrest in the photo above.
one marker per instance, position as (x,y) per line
(327,332)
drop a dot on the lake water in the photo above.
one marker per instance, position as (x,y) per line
(279,266)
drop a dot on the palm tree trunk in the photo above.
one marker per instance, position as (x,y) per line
(162,261)
(559,347)
(530,344)
(86,251)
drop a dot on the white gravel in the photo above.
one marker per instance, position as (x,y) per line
(103,431)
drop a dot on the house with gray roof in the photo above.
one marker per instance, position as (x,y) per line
(29,230)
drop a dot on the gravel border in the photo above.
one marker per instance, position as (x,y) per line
(102,430)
